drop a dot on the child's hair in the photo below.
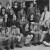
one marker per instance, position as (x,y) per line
(7,3)
(30,15)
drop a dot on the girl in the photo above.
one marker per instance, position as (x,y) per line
(31,18)
(15,8)
(3,13)
(11,18)
(8,7)
(27,35)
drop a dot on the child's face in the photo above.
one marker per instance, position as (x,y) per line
(23,3)
(18,30)
(32,16)
(27,25)
(31,5)
(11,11)
(35,26)
(8,29)
(3,10)
(47,23)
(6,15)
(23,17)
(21,10)
(16,4)
(45,8)
(3,31)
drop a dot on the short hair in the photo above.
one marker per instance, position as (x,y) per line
(7,3)
(3,8)
(32,2)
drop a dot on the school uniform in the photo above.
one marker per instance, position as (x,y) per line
(20,15)
(31,10)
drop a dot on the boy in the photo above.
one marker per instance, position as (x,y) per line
(35,30)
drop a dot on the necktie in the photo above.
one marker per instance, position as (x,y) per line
(44,16)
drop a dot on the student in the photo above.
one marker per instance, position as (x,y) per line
(35,30)
(14,20)
(24,6)
(37,16)
(5,20)
(10,37)
(27,35)
(15,8)
(31,9)
(3,11)
(44,31)
(11,18)
(31,18)
(13,30)
(45,16)
(23,21)
(8,7)
(20,37)
(3,31)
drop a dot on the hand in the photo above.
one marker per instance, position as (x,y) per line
(40,22)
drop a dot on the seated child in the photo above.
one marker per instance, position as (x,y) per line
(46,40)
(23,21)
(3,31)
(8,31)
(27,35)
(13,30)
(31,18)
(20,38)
(44,31)
(35,30)
(10,37)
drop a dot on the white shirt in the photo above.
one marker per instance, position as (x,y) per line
(47,16)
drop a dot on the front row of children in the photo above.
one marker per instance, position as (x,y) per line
(29,34)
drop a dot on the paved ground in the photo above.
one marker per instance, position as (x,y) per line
(41,47)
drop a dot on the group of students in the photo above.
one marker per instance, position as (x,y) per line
(24,28)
